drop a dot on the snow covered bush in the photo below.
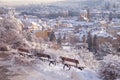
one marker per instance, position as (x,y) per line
(108,48)
(104,50)
(109,68)
(88,58)
(11,32)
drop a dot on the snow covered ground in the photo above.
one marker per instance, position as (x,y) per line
(43,71)
(39,70)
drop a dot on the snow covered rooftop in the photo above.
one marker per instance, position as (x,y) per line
(116,27)
(101,34)
(104,34)
(118,33)
(74,22)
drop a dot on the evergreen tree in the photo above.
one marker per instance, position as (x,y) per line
(107,5)
(95,43)
(59,40)
(89,41)
(64,38)
(114,5)
(52,36)
(84,39)
(110,16)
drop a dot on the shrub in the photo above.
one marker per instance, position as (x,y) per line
(88,58)
(104,50)
(10,31)
(109,68)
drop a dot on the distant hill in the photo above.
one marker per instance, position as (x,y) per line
(80,3)
(62,3)
(83,3)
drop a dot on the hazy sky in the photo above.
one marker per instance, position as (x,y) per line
(31,0)
(18,2)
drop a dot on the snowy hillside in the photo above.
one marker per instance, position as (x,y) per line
(39,70)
